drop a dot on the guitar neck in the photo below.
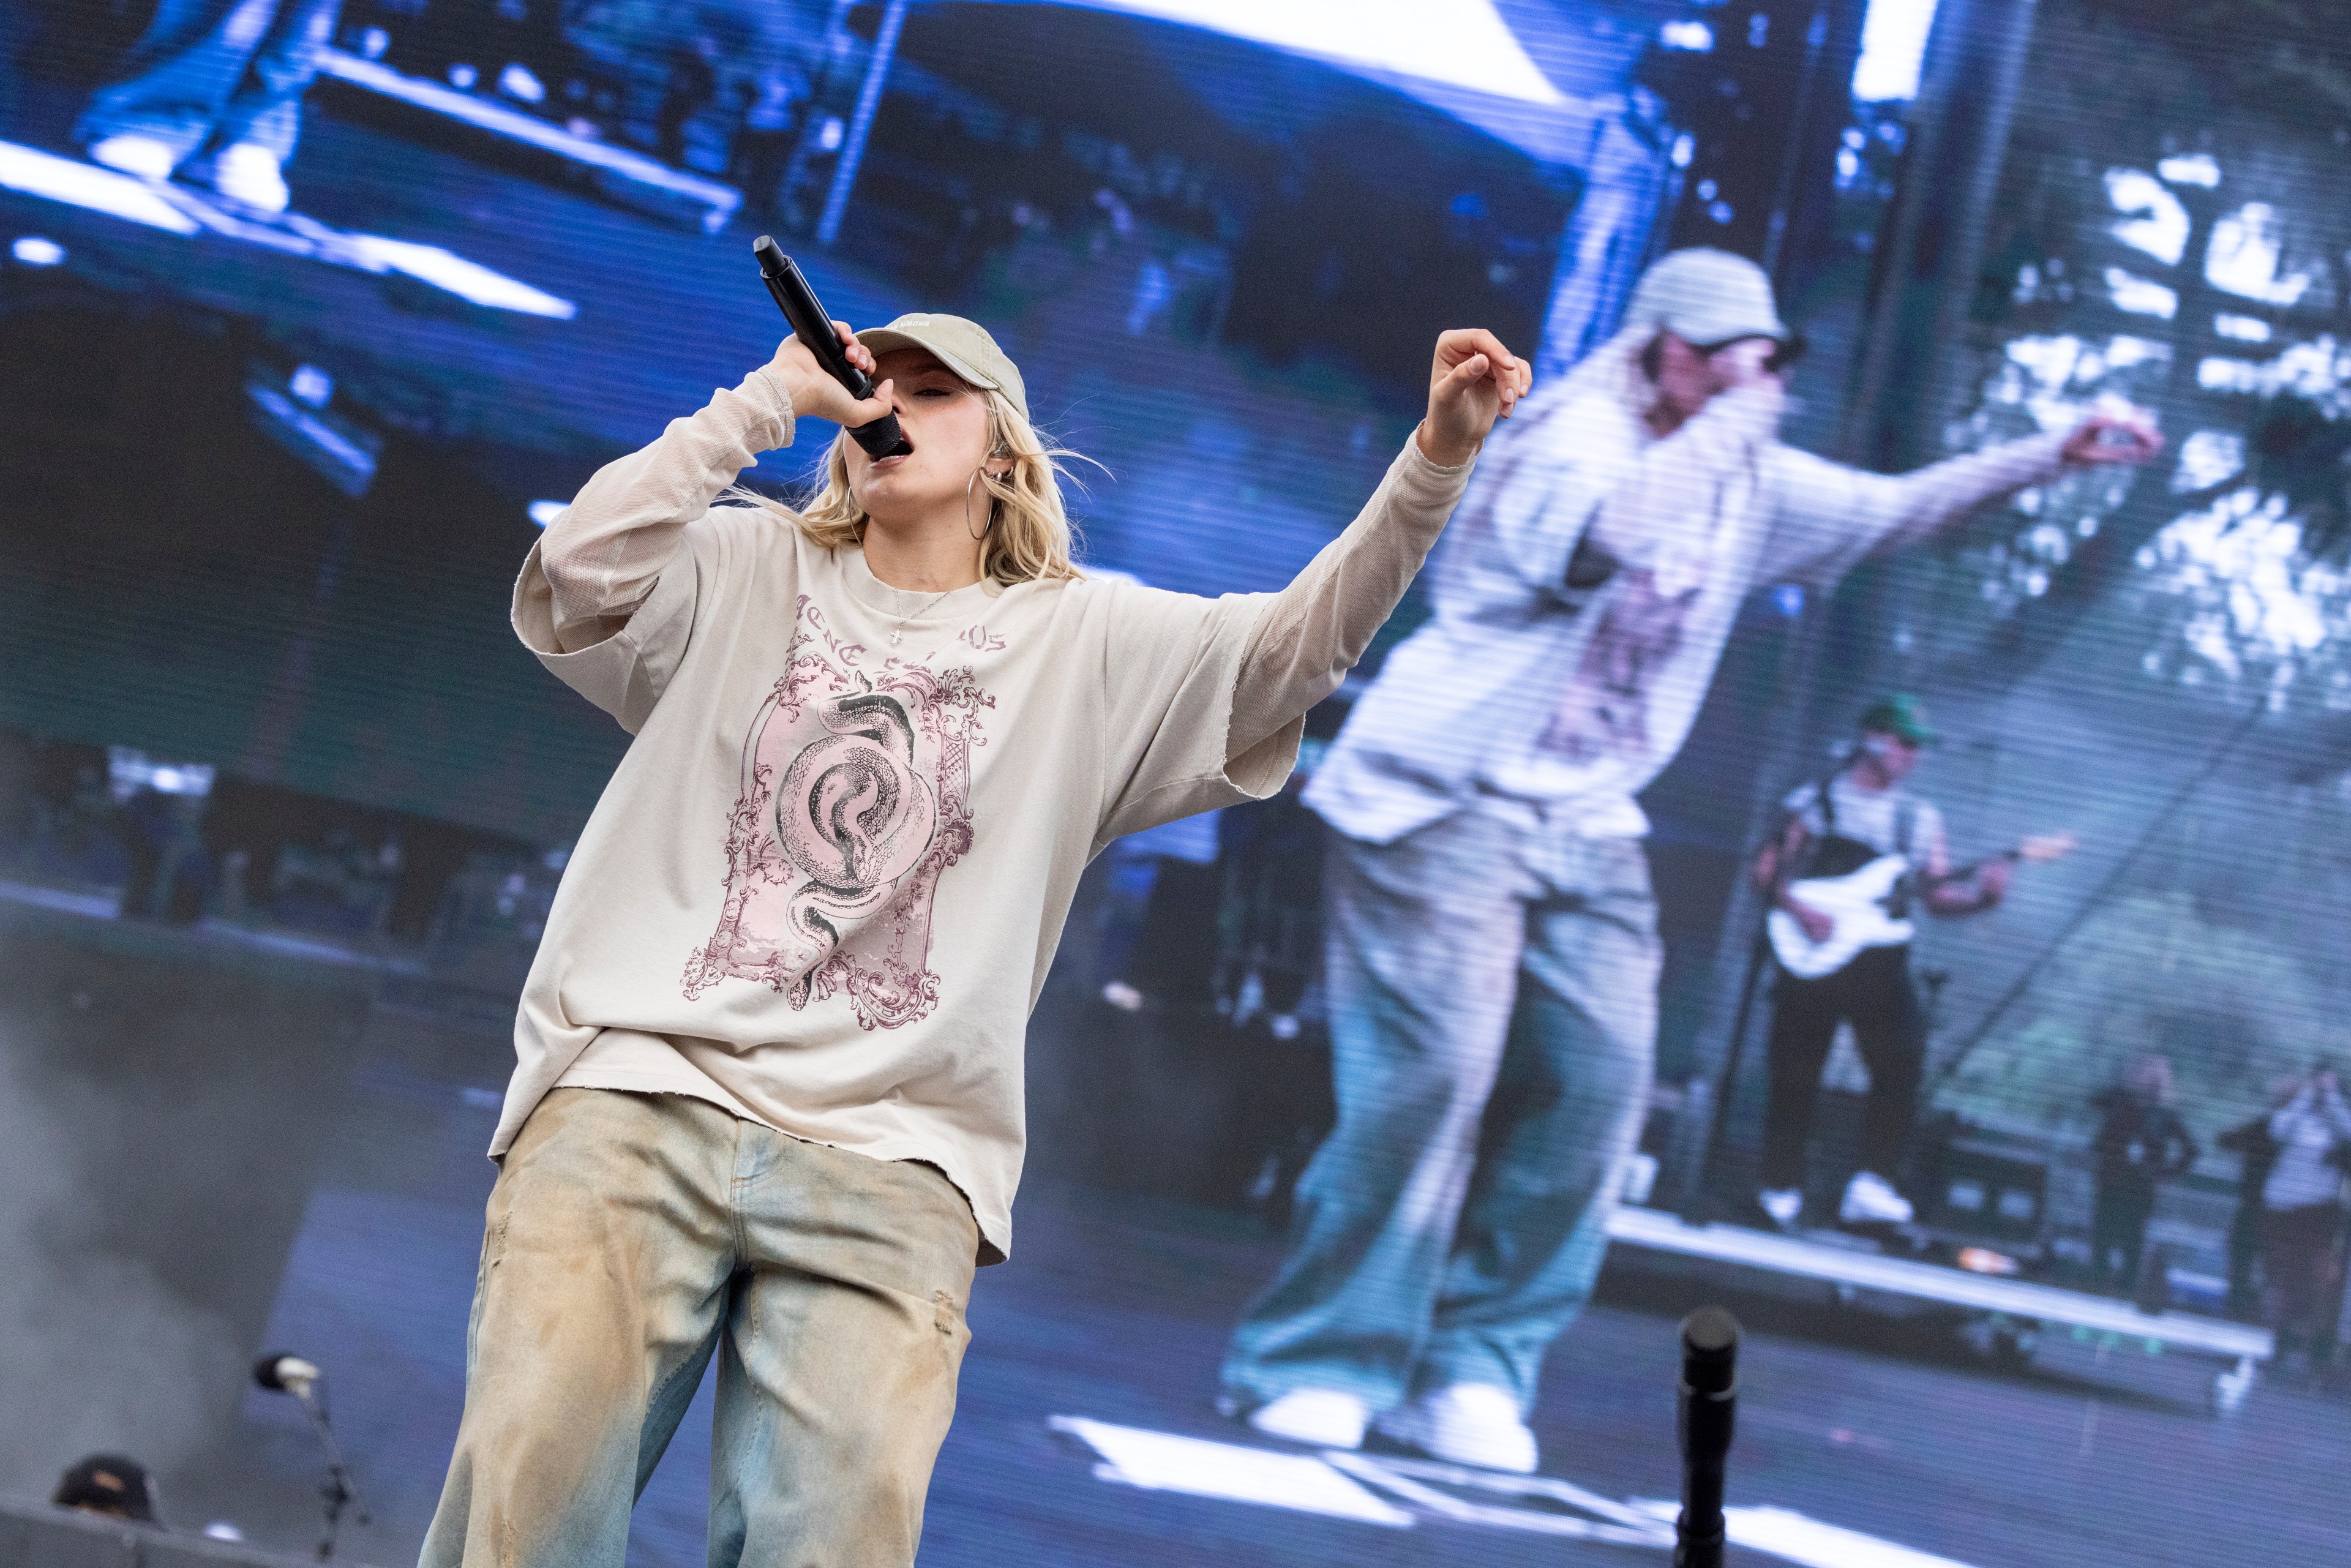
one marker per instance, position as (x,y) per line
(2008,856)
(2029,850)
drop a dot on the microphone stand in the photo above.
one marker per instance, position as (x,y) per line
(337,1492)
(1695,1202)
(1708,1402)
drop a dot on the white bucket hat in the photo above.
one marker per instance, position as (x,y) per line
(1706,298)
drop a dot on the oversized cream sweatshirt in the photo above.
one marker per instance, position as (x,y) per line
(825,885)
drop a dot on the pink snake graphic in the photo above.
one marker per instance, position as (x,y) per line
(854,802)
(852,814)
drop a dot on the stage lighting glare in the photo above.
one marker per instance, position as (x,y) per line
(468,279)
(80,184)
(1984,1261)
(1893,44)
(2190,169)
(311,385)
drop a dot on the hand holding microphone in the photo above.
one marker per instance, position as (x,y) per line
(825,371)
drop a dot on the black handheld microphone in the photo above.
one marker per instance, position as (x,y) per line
(1709,1396)
(813,326)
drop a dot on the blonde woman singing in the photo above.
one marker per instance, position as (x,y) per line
(768,1105)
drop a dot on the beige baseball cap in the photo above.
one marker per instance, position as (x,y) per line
(962,346)
(1704,298)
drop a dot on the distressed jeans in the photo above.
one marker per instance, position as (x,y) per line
(1493,1020)
(634,1237)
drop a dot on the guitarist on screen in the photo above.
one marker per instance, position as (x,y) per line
(1845,827)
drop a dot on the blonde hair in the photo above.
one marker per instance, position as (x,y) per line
(1028,537)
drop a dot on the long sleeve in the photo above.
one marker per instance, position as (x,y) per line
(1827,516)
(1315,629)
(601,555)
(2327,1112)
(2336,1113)
(2287,1117)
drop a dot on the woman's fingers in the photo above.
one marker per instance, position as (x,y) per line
(1470,359)
(1463,341)
(1511,375)
(1468,372)
(872,408)
(858,354)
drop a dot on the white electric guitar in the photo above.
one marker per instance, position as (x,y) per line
(1865,907)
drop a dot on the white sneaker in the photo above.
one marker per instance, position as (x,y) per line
(1324,1418)
(134,154)
(1870,1200)
(247,174)
(1785,1205)
(1473,1424)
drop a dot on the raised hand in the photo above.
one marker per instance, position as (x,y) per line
(813,392)
(2103,439)
(1474,382)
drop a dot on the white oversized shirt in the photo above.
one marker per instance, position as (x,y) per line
(824,884)
(1522,687)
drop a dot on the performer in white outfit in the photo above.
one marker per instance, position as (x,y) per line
(1492,941)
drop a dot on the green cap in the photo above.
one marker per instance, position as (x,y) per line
(962,346)
(1899,716)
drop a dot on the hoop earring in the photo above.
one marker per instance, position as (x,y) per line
(984,532)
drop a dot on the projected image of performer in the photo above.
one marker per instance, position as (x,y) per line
(213,92)
(1857,852)
(768,1104)
(1492,948)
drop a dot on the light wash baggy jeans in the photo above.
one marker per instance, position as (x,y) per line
(1493,986)
(630,1238)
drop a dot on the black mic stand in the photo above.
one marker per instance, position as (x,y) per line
(1707,1401)
(335,1492)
